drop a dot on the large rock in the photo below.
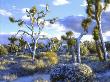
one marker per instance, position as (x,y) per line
(71,73)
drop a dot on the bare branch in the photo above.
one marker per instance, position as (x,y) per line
(24,32)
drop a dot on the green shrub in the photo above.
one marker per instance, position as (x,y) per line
(3,50)
(84,51)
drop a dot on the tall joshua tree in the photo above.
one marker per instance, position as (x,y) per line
(95,8)
(37,21)
(85,24)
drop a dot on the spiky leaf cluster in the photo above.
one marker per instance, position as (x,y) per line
(69,38)
(86,23)
(107,2)
(12,19)
(71,42)
(96,33)
(33,10)
(95,7)
(69,33)
(22,42)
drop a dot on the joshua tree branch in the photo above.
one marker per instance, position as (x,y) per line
(24,32)
(78,46)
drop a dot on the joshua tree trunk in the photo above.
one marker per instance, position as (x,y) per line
(102,41)
(35,42)
(34,50)
(78,51)
(73,54)
(78,46)
(101,38)
(99,52)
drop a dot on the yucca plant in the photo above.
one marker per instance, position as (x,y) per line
(37,20)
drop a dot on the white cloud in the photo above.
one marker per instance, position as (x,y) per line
(14,6)
(107,33)
(44,33)
(23,10)
(84,3)
(87,38)
(10,33)
(25,17)
(80,15)
(106,36)
(42,5)
(60,2)
(4,12)
(57,27)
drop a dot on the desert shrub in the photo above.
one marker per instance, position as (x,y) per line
(51,57)
(3,50)
(72,73)
(40,64)
(46,59)
(2,67)
(4,61)
(9,77)
(13,48)
(84,51)
(25,68)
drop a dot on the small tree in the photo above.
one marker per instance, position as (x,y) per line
(22,44)
(37,19)
(13,47)
(54,44)
(71,43)
(12,39)
(85,24)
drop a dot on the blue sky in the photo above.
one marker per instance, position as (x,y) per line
(65,10)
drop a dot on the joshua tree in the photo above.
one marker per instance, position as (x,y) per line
(95,8)
(85,24)
(12,39)
(54,44)
(37,19)
(71,43)
(13,47)
(22,43)
(69,34)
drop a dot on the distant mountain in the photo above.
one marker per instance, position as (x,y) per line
(4,39)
